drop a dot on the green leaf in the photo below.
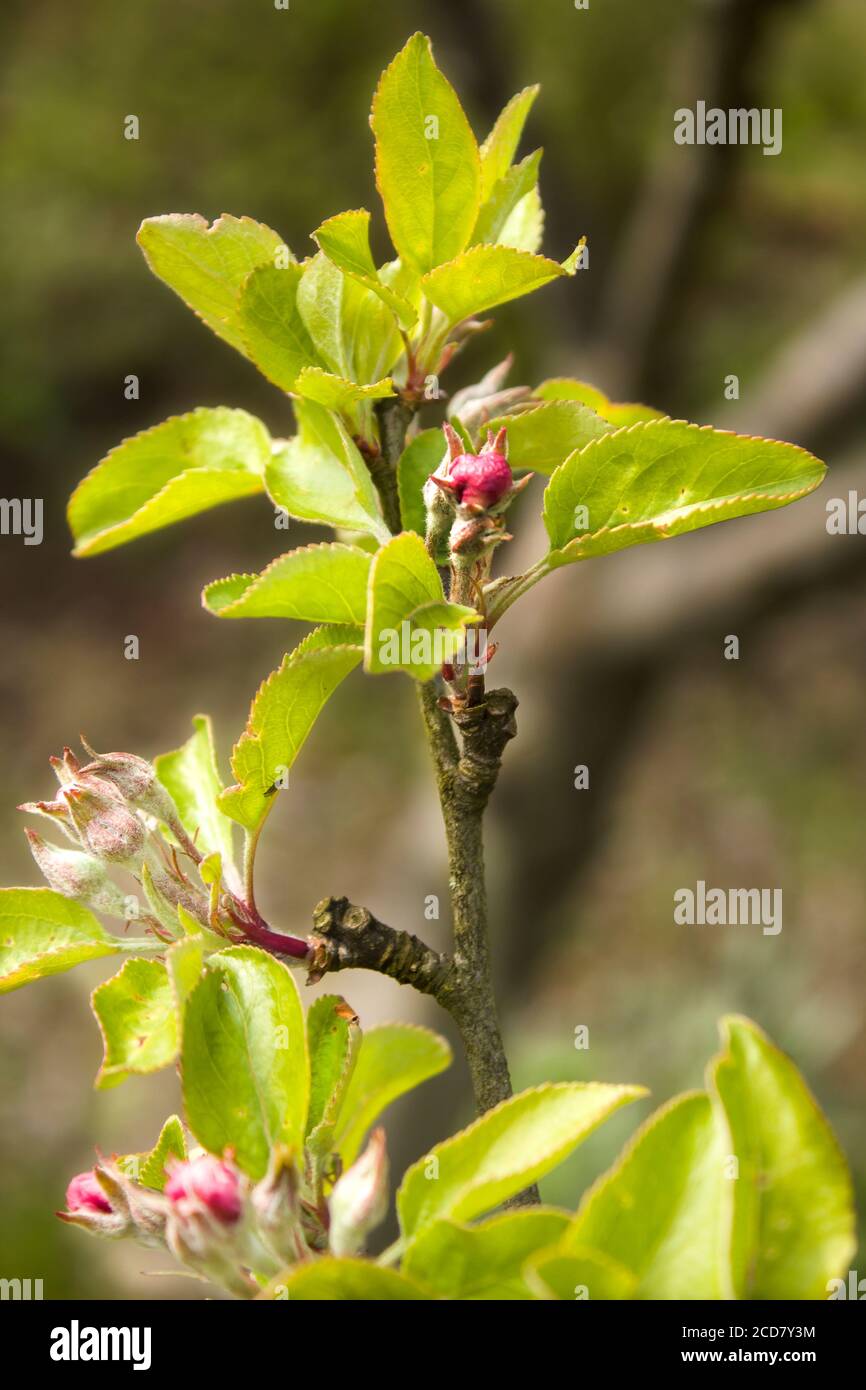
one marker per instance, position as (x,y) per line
(355,333)
(542,439)
(191,777)
(330,1280)
(338,394)
(419,459)
(504,197)
(171,1143)
(392,1059)
(184,961)
(524,229)
(500,147)
(482,1262)
(186,465)
(578,1275)
(332,635)
(318,584)
(661,1211)
(282,715)
(618,414)
(275,336)
(320,475)
(485,276)
(410,626)
(505,1150)
(333,1038)
(428,169)
(43,933)
(244,1066)
(206,265)
(136,1014)
(662,478)
(345,240)
(793,1224)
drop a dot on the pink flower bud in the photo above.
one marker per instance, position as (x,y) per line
(207,1183)
(85,1194)
(477,482)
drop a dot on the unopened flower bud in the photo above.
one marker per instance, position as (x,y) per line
(206,1184)
(359,1201)
(106,826)
(135,780)
(57,812)
(481,481)
(277,1207)
(85,1194)
(78,876)
(89,1205)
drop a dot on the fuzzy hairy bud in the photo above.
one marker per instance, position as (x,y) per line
(78,876)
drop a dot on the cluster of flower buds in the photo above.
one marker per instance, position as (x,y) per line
(467,496)
(114,809)
(224,1228)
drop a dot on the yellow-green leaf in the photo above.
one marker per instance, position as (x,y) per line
(485,276)
(428,169)
(137,1017)
(793,1223)
(317,583)
(186,465)
(206,265)
(244,1065)
(505,1150)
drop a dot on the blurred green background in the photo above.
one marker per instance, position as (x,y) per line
(703,263)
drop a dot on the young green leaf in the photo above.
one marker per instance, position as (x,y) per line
(393,1059)
(338,394)
(662,478)
(43,933)
(191,777)
(428,169)
(281,717)
(482,1262)
(354,332)
(320,475)
(524,228)
(137,1017)
(500,147)
(618,413)
(504,197)
(662,1210)
(319,584)
(342,1281)
(578,1275)
(206,266)
(485,276)
(170,1144)
(274,334)
(244,1065)
(542,439)
(184,961)
(505,1150)
(333,1038)
(410,626)
(186,465)
(345,240)
(793,1223)
(331,635)
(419,459)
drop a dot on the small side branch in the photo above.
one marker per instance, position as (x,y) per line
(346,937)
